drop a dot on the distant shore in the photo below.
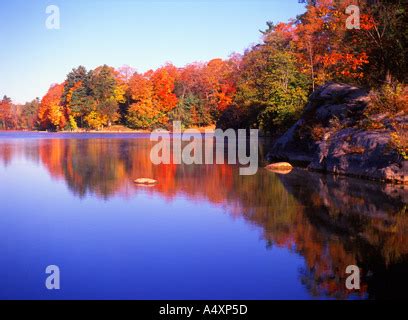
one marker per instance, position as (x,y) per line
(112,129)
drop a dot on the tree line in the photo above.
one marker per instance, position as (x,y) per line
(266,87)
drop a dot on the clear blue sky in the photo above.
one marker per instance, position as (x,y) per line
(140,33)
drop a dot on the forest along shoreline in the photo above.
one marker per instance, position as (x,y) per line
(112,129)
(302,84)
(343,130)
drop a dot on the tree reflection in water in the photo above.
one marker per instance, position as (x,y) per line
(332,222)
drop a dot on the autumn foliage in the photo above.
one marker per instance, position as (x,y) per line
(5,113)
(51,113)
(266,87)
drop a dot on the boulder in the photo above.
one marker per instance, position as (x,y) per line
(145,181)
(280,167)
(329,138)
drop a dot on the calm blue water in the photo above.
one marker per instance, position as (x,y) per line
(203,232)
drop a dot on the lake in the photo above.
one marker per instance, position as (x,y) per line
(203,232)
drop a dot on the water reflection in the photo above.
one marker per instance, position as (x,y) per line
(347,221)
(331,222)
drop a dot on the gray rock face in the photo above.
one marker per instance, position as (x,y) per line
(339,145)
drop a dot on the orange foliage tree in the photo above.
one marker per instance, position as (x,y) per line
(5,113)
(142,112)
(220,80)
(323,49)
(163,80)
(51,113)
(152,97)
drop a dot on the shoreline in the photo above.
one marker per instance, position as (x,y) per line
(201,129)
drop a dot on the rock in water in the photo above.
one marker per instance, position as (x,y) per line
(145,181)
(280,167)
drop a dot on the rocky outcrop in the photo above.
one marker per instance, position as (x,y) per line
(331,137)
